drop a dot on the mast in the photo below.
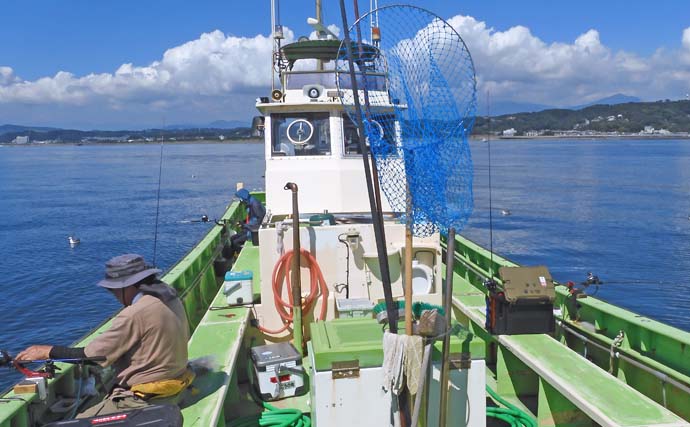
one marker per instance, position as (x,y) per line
(319,18)
(319,14)
(277,33)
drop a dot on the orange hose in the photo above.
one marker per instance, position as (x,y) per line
(281,275)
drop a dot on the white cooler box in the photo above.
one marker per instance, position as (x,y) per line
(278,371)
(238,287)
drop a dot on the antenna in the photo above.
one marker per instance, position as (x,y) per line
(373,18)
(277,34)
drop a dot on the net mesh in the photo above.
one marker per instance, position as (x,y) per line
(417,123)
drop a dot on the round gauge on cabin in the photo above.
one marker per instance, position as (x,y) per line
(300,131)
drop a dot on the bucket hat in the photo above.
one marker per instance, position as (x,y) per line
(126,270)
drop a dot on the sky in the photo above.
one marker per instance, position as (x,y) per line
(135,64)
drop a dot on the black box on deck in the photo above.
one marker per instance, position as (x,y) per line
(152,416)
(524,304)
(520,317)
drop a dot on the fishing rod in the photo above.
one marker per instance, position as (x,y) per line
(203,218)
(158,204)
(490,282)
(576,290)
(369,168)
(48,370)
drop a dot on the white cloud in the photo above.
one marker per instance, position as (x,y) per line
(332,28)
(202,75)
(516,65)
(212,65)
(685,55)
(7,76)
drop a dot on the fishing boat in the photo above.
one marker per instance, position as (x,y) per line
(523,349)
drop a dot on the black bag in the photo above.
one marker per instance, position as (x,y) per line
(152,416)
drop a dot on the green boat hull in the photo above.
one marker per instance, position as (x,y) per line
(579,376)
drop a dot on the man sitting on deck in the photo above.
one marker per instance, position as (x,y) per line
(147,341)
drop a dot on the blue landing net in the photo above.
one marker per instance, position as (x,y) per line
(417,127)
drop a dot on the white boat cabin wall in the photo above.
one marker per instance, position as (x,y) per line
(318,149)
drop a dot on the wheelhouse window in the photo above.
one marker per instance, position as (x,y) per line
(350,137)
(383,126)
(301,134)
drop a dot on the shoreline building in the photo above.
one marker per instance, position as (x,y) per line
(21,140)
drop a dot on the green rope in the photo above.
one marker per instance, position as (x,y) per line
(273,417)
(511,414)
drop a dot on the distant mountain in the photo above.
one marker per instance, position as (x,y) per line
(218,124)
(509,107)
(17,128)
(179,127)
(53,135)
(618,98)
(228,124)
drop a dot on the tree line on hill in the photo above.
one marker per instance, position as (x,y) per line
(632,117)
(148,135)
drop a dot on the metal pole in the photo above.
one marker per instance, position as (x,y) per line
(319,17)
(273,41)
(403,399)
(319,14)
(408,263)
(376,218)
(447,306)
(422,381)
(367,114)
(296,280)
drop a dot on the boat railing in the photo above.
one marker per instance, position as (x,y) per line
(196,282)
(649,356)
(333,79)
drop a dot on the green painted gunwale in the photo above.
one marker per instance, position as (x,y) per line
(647,341)
(194,279)
(652,343)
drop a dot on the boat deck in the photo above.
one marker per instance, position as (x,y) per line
(535,372)
(556,384)
(219,326)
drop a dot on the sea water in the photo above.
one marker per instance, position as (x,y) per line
(107,196)
(618,208)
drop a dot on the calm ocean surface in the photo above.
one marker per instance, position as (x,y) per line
(618,208)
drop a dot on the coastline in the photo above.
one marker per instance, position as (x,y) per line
(474,138)
(483,138)
(104,144)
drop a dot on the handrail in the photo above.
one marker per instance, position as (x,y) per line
(649,346)
(665,378)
